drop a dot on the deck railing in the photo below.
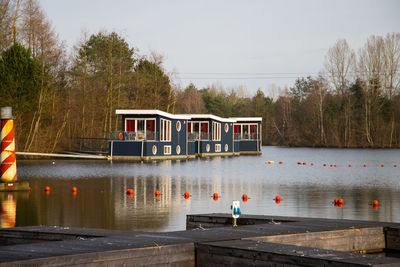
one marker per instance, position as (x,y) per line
(93,145)
(197,136)
(245,136)
(133,136)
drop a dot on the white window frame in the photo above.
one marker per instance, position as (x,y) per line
(145,130)
(165,130)
(217,147)
(200,129)
(216,133)
(167,150)
(248,125)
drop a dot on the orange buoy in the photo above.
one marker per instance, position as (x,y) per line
(336,201)
(324,164)
(331,165)
(74,190)
(129,191)
(349,165)
(277,199)
(245,197)
(340,201)
(312,164)
(47,189)
(186,195)
(304,163)
(280,162)
(375,203)
(395,165)
(335,165)
(365,165)
(299,163)
(215,196)
(157,193)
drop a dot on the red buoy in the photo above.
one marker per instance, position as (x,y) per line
(349,165)
(245,197)
(74,190)
(186,195)
(382,165)
(157,193)
(312,164)
(365,165)
(340,201)
(129,192)
(324,164)
(280,162)
(375,203)
(47,189)
(395,165)
(304,163)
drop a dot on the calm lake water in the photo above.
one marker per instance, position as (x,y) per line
(305,190)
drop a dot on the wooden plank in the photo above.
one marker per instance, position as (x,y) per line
(250,253)
(363,239)
(392,238)
(176,255)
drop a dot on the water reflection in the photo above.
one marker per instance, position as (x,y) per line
(8,210)
(101,200)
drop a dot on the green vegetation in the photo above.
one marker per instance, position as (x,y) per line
(57,97)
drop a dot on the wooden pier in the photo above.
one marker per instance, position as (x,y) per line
(210,241)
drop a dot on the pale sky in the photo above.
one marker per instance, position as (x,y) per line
(230,43)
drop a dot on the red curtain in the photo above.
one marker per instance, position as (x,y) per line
(205,127)
(189,128)
(152,126)
(252,128)
(130,126)
(236,129)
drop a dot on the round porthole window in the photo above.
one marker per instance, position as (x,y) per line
(178,126)
(208,147)
(226,127)
(154,149)
(178,149)
(226,147)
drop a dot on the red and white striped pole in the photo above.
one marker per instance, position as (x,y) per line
(8,159)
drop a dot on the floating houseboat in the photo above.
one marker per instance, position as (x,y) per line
(156,135)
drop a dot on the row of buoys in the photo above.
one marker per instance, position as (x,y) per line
(331,165)
(47,190)
(272,162)
(338,202)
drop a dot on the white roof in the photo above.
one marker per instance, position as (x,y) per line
(151,112)
(209,116)
(244,119)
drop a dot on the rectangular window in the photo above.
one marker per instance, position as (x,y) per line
(165,130)
(130,125)
(151,129)
(217,147)
(245,132)
(253,131)
(204,131)
(140,129)
(216,134)
(167,150)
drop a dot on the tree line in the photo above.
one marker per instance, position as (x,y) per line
(59,96)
